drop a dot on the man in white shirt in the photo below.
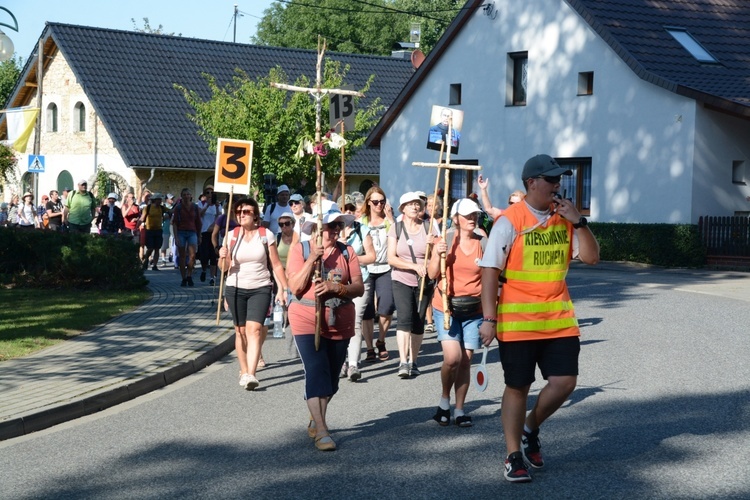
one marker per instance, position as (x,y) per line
(300,216)
(272,212)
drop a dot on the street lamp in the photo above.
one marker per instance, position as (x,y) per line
(6,44)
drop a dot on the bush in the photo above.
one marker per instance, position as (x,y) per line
(40,259)
(669,245)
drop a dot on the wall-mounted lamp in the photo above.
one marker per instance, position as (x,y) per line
(6,44)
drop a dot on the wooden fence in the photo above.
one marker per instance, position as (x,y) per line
(726,239)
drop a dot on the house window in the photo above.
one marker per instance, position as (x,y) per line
(586,83)
(52,118)
(690,44)
(518,77)
(79,115)
(738,172)
(577,187)
(455,94)
(461,181)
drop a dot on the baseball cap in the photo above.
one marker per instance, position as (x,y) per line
(83,181)
(421,194)
(155,196)
(465,206)
(296,197)
(170,196)
(410,196)
(331,213)
(543,165)
(288,215)
(112,196)
(282,188)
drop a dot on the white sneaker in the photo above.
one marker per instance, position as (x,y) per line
(244,379)
(252,383)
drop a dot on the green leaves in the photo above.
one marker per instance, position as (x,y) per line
(275,120)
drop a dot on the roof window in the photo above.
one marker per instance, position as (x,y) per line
(691,45)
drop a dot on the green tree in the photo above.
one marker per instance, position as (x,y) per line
(275,120)
(10,70)
(8,163)
(354,26)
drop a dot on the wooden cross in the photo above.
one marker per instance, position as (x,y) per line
(447,166)
(318,93)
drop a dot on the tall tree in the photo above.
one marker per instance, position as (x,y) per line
(275,120)
(10,70)
(354,26)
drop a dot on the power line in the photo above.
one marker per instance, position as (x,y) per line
(386,10)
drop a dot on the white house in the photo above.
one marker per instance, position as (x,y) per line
(648,102)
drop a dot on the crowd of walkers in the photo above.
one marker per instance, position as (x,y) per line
(341,277)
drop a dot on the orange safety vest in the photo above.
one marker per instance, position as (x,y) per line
(534,303)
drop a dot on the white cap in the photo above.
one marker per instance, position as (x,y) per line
(465,206)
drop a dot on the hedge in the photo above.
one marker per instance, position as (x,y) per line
(668,245)
(41,259)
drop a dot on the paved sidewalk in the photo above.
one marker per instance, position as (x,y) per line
(167,338)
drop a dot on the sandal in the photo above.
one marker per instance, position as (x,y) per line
(442,417)
(382,352)
(325,443)
(371,358)
(464,421)
(311,429)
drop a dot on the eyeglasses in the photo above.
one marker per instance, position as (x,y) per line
(244,211)
(285,224)
(377,202)
(552,180)
(335,226)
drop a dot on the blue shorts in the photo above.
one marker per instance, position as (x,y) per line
(322,367)
(187,237)
(465,331)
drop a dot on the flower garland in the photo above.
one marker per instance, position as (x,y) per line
(331,140)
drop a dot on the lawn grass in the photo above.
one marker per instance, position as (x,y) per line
(31,320)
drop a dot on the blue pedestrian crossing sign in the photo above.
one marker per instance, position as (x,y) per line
(36,164)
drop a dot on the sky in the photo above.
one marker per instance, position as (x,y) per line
(207,19)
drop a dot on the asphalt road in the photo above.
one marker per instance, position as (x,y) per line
(662,411)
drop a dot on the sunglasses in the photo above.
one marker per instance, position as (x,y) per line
(285,224)
(335,226)
(295,202)
(377,202)
(552,180)
(244,211)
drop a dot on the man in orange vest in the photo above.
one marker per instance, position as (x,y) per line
(533,319)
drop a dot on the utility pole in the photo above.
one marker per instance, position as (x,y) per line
(234,38)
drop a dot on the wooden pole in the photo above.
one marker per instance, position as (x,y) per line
(432,218)
(443,256)
(343,179)
(319,188)
(225,244)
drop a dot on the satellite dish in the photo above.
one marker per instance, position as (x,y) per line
(417,58)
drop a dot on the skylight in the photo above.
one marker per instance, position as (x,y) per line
(691,45)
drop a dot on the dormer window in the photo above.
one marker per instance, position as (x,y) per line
(691,45)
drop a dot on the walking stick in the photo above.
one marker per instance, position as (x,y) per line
(443,256)
(225,245)
(432,218)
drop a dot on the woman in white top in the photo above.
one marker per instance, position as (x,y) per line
(245,255)
(28,217)
(378,216)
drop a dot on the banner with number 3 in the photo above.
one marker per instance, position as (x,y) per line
(234,163)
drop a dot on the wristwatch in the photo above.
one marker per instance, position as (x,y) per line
(582,222)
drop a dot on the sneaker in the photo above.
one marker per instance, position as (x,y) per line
(403,370)
(442,417)
(413,370)
(190,281)
(212,282)
(429,328)
(354,374)
(184,282)
(252,383)
(515,469)
(203,276)
(244,379)
(532,449)
(343,373)
(155,268)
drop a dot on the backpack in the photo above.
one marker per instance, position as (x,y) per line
(400,228)
(263,238)
(342,248)
(87,192)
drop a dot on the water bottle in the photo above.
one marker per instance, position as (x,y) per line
(278,321)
